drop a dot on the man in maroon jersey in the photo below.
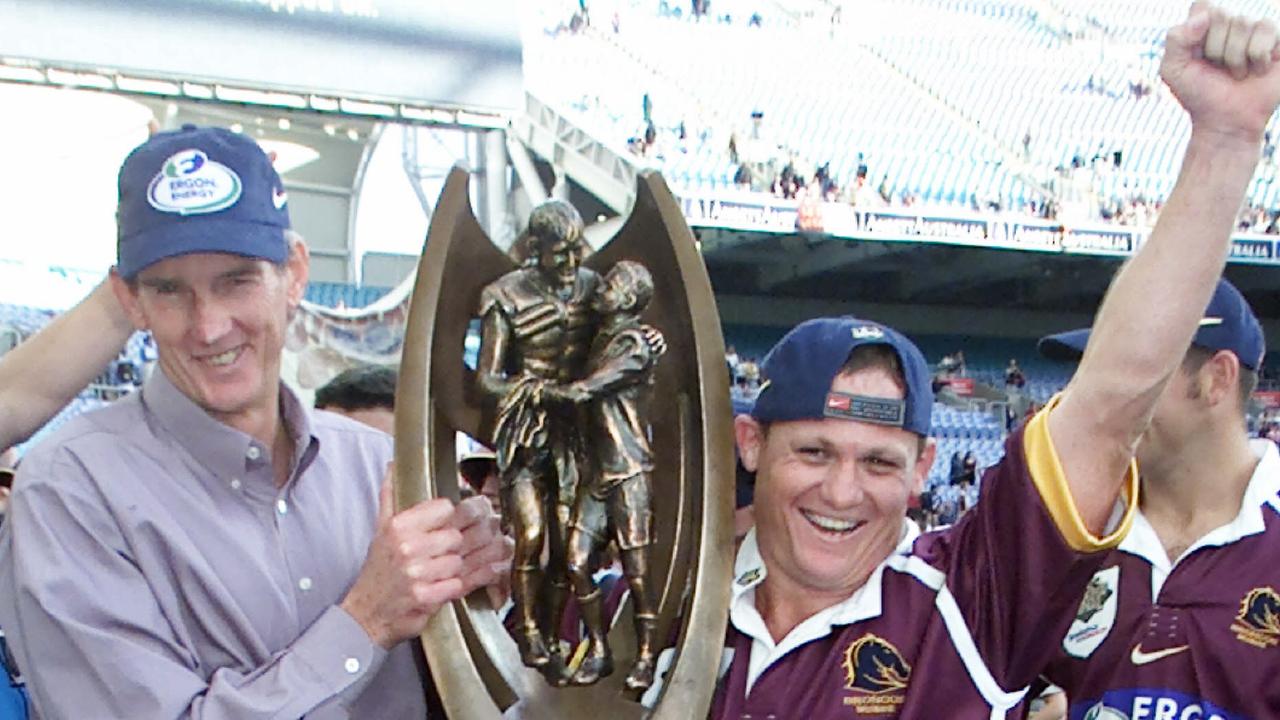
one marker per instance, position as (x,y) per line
(1184,621)
(838,611)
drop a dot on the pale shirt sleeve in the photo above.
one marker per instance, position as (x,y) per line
(91,639)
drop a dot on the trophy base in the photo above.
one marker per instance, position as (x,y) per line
(579,702)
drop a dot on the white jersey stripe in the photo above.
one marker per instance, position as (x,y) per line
(961,638)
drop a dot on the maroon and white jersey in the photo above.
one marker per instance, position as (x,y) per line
(1193,639)
(955,624)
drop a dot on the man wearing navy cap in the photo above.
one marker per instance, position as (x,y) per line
(838,610)
(1194,584)
(209,547)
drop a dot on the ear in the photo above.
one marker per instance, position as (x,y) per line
(923,463)
(750,438)
(1220,377)
(127,296)
(298,267)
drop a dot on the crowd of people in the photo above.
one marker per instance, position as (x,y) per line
(210,547)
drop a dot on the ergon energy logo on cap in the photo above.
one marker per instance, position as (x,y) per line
(190,183)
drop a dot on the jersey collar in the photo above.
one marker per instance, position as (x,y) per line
(750,570)
(1263,490)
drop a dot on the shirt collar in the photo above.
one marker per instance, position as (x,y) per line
(1263,489)
(218,447)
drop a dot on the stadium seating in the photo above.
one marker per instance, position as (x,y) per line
(934,97)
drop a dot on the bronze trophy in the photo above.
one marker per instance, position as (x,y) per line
(602,386)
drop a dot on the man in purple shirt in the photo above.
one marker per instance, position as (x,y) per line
(209,547)
(838,611)
(1184,621)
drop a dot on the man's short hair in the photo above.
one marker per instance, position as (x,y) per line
(360,388)
(1195,359)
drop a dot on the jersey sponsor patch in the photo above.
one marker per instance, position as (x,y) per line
(192,184)
(877,674)
(1149,704)
(1258,623)
(1096,614)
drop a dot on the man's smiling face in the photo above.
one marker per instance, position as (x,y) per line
(831,494)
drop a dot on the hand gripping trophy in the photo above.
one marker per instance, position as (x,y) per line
(598,431)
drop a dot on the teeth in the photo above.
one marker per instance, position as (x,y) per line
(225,358)
(830,523)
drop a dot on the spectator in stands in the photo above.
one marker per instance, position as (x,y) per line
(955,469)
(1013,377)
(731,359)
(952,365)
(210,546)
(969,469)
(365,393)
(749,370)
(83,339)
(948,504)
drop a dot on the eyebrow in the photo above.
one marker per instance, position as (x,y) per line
(885,454)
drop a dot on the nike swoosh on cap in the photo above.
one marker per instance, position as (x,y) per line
(1142,658)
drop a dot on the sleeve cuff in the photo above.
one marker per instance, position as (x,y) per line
(1050,480)
(340,652)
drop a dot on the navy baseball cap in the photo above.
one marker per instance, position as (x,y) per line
(1228,324)
(199,189)
(799,370)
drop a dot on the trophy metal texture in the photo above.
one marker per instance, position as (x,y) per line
(603,388)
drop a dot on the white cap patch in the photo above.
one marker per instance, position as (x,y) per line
(192,184)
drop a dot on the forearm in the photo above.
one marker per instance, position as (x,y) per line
(82,341)
(330,663)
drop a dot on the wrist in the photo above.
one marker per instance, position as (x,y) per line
(1226,139)
(376,633)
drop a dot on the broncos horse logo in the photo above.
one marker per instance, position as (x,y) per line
(1259,620)
(872,664)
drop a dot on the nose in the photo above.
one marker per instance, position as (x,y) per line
(210,320)
(842,487)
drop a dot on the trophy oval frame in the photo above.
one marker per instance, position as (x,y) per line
(473,661)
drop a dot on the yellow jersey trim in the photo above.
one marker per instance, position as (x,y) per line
(1050,480)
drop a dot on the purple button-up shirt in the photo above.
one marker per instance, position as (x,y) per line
(150,568)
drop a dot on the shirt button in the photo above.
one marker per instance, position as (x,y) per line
(304,584)
(282,507)
(352,665)
(235,483)
(253,453)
